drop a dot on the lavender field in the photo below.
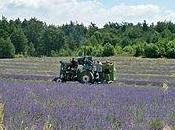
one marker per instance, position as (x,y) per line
(134,102)
(135,71)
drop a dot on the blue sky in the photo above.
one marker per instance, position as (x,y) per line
(86,11)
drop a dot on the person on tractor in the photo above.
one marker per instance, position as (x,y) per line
(107,72)
(98,71)
(74,64)
(73,68)
(88,64)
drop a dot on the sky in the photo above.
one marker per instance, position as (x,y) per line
(60,12)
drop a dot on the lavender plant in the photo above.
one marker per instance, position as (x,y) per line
(73,106)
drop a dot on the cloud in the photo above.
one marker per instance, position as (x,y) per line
(63,11)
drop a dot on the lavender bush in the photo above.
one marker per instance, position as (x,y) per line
(72,106)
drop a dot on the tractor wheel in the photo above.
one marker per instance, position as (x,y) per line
(86,77)
(57,79)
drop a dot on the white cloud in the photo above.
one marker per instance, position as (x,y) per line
(135,10)
(63,11)
(27,3)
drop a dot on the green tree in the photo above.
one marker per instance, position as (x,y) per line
(152,36)
(75,32)
(53,40)
(33,29)
(167,34)
(4,25)
(7,49)
(171,27)
(30,50)
(19,40)
(125,42)
(4,34)
(92,29)
(98,37)
(145,26)
(36,38)
(161,26)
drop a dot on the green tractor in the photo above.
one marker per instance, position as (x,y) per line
(82,70)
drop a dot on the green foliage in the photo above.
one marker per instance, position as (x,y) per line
(62,52)
(162,45)
(19,40)
(118,50)
(4,34)
(156,124)
(35,38)
(152,51)
(139,49)
(134,32)
(161,26)
(170,53)
(33,29)
(7,49)
(125,42)
(151,36)
(145,26)
(30,49)
(75,32)
(53,39)
(171,27)
(108,50)
(97,51)
(129,50)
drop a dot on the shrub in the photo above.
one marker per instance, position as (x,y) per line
(97,51)
(151,51)
(7,49)
(62,52)
(170,53)
(118,50)
(162,45)
(85,50)
(139,50)
(108,50)
(129,50)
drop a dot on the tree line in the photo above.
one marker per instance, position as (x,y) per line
(35,38)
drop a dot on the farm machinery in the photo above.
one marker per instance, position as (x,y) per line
(85,70)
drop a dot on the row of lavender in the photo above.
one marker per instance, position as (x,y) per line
(73,106)
(129,70)
(124,65)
